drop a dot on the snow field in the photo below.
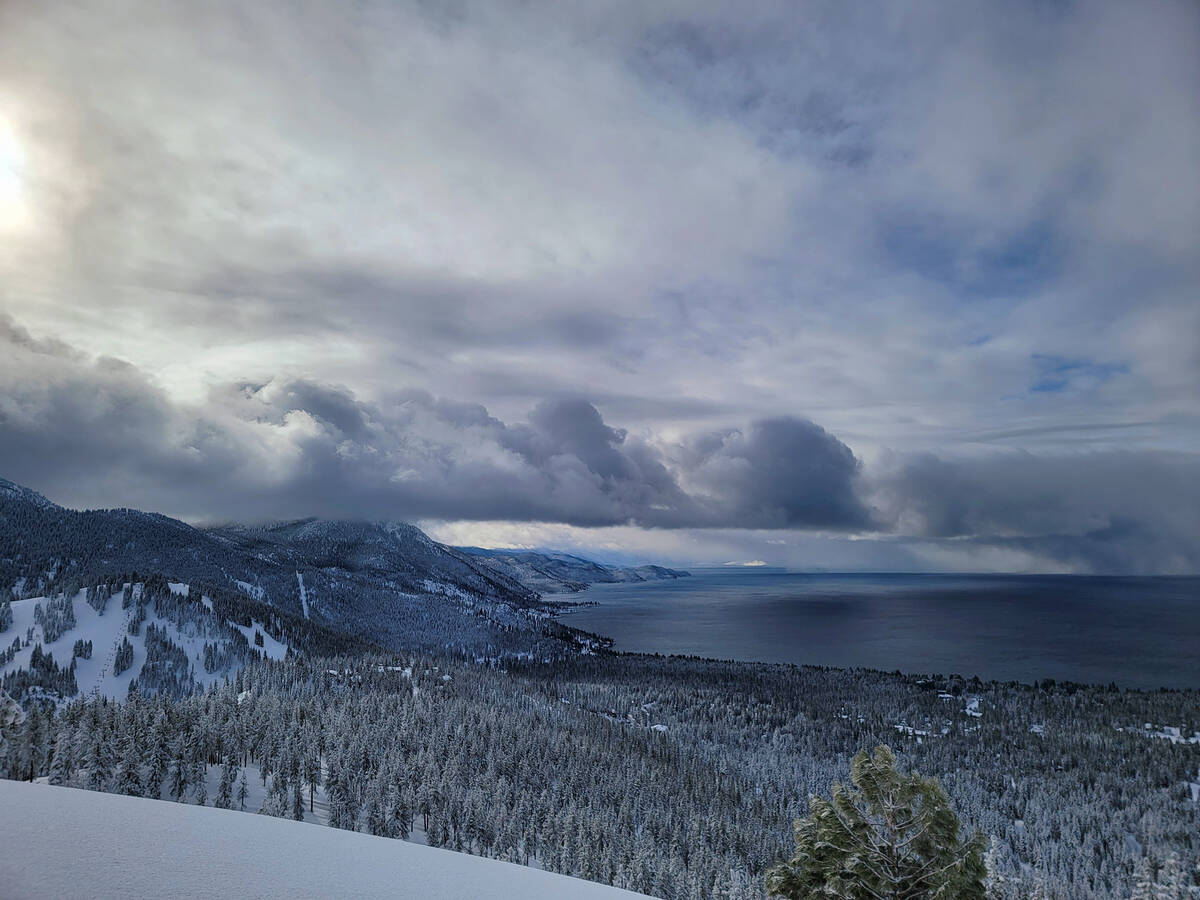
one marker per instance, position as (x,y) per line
(60,842)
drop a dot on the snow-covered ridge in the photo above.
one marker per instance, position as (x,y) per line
(552,572)
(61,842)
(28,495)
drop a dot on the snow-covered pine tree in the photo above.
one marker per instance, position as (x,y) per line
(179,771)
(296,809)
(159,756)
(11,716)
(124,658)
(129,775)
(224,798)
(892,836)
(31,746)
(1144,887)
(62,761)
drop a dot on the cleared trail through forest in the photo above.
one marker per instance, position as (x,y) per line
(111,657)
(303,594)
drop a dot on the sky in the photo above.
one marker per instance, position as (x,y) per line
(822,285)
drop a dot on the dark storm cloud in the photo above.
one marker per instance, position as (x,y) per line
(99,432)
(779,473)
(1106,512)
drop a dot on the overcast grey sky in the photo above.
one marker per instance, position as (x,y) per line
(904,286)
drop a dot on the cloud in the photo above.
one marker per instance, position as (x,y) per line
(99,431)
(704,213)
(778,473)
(643,249)
(1104,512)
(96,431)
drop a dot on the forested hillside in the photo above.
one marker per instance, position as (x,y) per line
(674,777)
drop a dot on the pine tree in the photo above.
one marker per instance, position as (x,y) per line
(297,807)
(892,836)
(61,759)
(31,748)
(177,778)
(225,788)
(97,763)
(311,765)
(124,658)
(1143,881)
(159,758)
(275,803)
(375,810)
(242,791)
(11,716)
(129,776)
(201,789)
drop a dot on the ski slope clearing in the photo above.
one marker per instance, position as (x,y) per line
(303,595)
(97,675)
(61,842)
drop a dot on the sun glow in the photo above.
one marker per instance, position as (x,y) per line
(13,211)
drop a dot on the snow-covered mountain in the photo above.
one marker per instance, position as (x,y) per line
(62,842)
(551,572)
(387,583)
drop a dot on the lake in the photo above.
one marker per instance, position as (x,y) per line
(1138,632)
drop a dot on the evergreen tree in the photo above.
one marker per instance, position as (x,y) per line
(1143,881)
(225,789)
(892,836)
(276,801)
(1171,880)
(10,717)
(97,763)
(177,777)
(124,658)
(31,747)
(159,757)
(198,771)
(129,776)
(62,761)
(297,804)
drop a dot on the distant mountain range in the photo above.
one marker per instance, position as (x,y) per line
(551,572)
(384,582)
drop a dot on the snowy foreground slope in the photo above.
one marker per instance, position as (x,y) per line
(61,842)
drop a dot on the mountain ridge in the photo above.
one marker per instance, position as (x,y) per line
(385,582)
(554,571)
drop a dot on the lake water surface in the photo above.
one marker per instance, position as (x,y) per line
(1138,632)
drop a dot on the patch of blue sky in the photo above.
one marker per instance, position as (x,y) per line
(1058,373)
(972,263)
